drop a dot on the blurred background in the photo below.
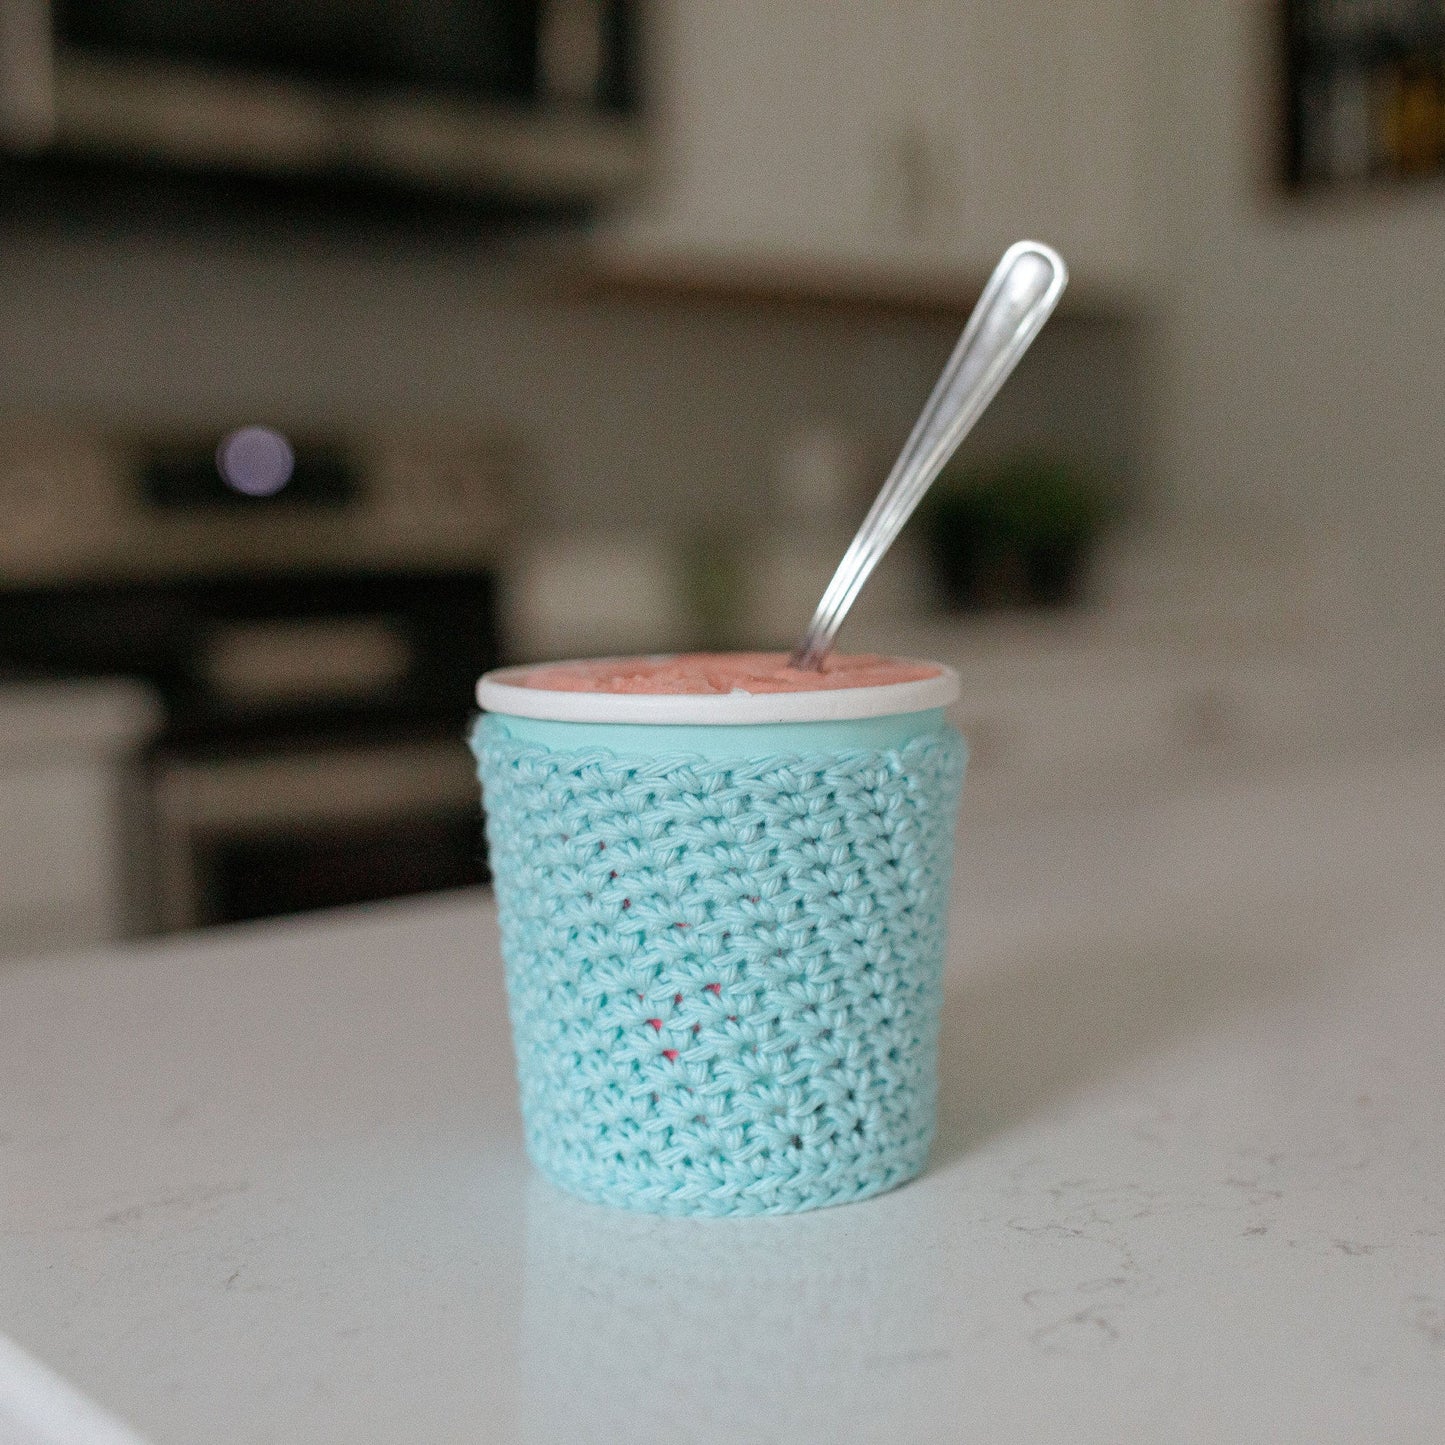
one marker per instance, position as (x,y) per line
(349,349)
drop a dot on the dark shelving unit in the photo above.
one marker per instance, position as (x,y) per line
(1364,92)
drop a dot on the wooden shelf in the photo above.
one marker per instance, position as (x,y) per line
(801,286)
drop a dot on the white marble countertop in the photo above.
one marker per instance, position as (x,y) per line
(267,1185)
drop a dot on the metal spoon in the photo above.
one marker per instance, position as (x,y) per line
(1024,288)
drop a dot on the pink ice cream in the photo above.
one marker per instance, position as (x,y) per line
(704,673)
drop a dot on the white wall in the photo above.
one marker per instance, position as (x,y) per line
(625,412)
(1304,349)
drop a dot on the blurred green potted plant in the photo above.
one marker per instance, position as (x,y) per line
(1019,532)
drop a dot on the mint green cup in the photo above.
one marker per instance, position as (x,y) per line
(723,927)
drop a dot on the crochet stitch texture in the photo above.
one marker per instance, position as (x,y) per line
(724,977)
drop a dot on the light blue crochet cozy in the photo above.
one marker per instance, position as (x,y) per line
(724,976)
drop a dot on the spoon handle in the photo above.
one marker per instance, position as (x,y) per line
(1023,290)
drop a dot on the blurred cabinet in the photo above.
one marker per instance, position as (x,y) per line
(1055,148)
(70,834)
(913,140)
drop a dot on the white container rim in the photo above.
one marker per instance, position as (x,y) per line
(499,692)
